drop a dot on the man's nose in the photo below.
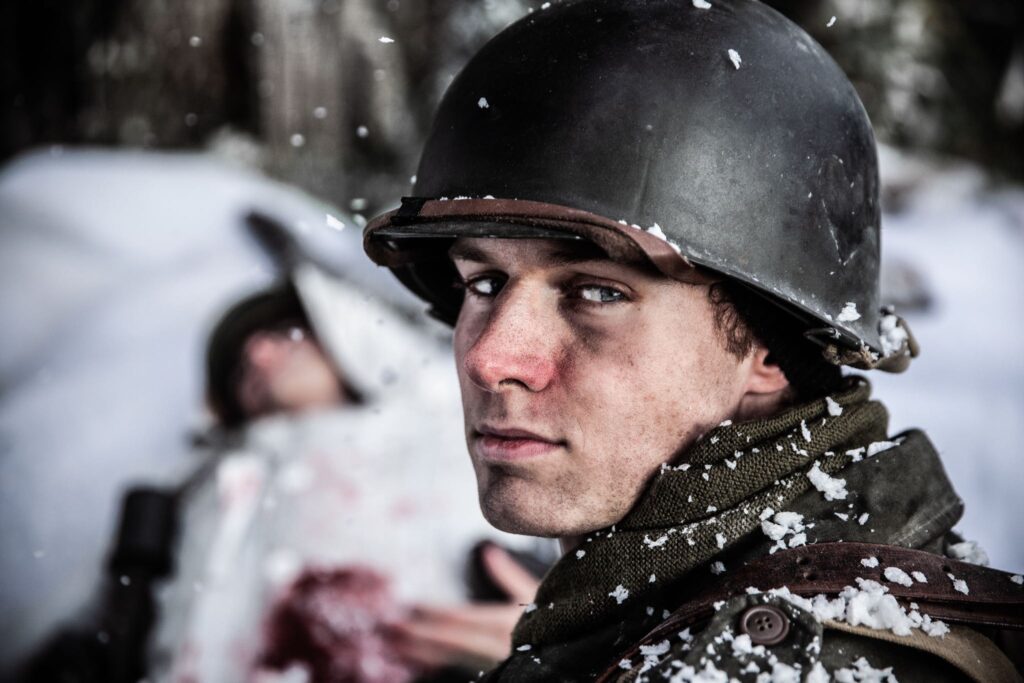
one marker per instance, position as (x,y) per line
(516,347)
(265,350)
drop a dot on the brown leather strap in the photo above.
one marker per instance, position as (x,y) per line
(430,216)
(993,599)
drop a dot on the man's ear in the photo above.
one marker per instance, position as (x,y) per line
(765,377)
(766,390)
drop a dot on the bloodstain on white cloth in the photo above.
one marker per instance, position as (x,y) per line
(332,622)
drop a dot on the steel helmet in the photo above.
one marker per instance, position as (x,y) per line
(716,135)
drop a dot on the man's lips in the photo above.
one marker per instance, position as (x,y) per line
(511,443)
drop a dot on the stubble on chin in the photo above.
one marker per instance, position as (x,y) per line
(509,503)
(518,503)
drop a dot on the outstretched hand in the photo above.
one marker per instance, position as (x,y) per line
(477,635)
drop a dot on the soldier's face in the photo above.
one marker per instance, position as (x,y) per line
(580,376)
(285,371)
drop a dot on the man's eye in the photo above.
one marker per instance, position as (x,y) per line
(600,294)
(483,286)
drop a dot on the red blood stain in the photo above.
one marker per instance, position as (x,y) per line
(332,621)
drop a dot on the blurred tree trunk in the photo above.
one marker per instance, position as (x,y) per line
(931,74)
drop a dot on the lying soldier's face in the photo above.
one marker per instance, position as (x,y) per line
(580,376)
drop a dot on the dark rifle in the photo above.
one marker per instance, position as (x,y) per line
(112,647)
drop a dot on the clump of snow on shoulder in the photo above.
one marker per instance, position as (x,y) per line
(784,524)
(863,672)
(782,673)
(580,554)
(652,653)
(742,644)
(832,488)
(968,551)
(863,519)
(620,594)
(717,568)
(959,585)
(1017,579)
(720,540)
(869,604)
(734,57)
(919,577)
(870,562)
(891,334)
(709,674)
(834,409)
(848,314)
(897,575)
(817,674)
(702,4)
(483,103)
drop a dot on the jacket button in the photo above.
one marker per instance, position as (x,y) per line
(766,625)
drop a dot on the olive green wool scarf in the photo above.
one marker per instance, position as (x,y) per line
(722,489)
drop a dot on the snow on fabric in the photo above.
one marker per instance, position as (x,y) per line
(782,524)
(834,409)
(832,488)
(868,604)
(620,594)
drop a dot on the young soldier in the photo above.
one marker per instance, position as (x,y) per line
(655,227)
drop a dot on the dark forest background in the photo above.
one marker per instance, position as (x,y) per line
(306,90)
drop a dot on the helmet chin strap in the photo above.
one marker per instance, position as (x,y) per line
(896,335)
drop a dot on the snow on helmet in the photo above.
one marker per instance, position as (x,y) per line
(718,137)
